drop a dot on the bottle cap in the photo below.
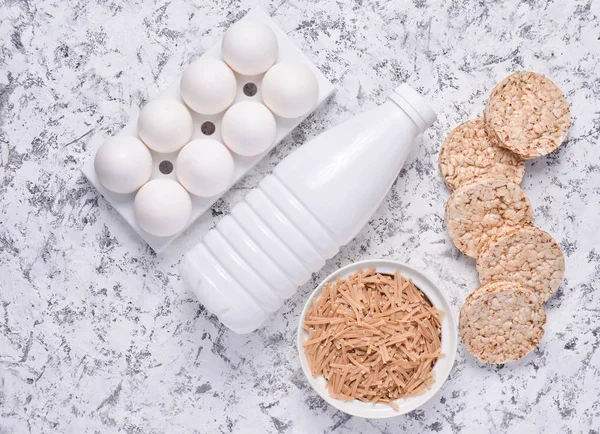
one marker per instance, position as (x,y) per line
(415,106)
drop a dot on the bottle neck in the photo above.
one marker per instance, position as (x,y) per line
(414,105)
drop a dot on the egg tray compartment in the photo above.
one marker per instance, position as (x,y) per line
(209,127)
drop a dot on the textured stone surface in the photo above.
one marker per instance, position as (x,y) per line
(97,333)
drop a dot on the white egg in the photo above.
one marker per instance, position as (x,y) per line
(123,164)
(248,128)
(249,47)
(290,90)
(162,207)
(205,167)
(208,86)
(165,125)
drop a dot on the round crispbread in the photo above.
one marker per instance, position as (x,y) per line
(528,256)
(502,323)
(485,289)
(468,153)
(527,114)
(479,210)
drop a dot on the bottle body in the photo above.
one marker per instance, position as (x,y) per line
(343,175)
(316,200)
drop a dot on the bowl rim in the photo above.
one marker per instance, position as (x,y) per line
(443,365)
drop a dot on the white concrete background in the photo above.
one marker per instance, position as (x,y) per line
(97,334)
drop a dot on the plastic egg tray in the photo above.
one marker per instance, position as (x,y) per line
(209,127)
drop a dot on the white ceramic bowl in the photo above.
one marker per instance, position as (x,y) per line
(442,366)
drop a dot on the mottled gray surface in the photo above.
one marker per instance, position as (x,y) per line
(97,332)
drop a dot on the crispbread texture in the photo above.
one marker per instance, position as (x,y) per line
(526,255)
(502,323)
(527,114)
(486,289)
(468,153)
(479,210)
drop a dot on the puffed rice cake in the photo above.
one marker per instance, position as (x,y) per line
(468,153)
(527,114)
(486,289)
(478,211)
(526,255)
(502,322)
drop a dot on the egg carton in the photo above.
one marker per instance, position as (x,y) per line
(210,127)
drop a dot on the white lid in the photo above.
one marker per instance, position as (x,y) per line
(414,104)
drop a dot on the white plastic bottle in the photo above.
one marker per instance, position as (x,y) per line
(317,199)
